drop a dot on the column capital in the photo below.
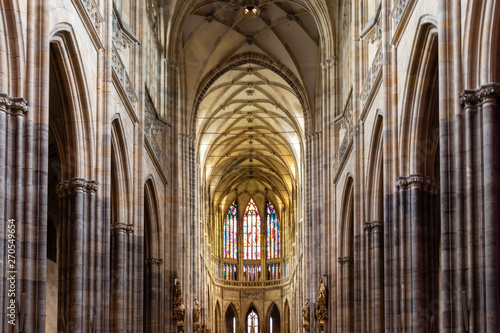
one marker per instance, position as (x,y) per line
(344,260)
(70,187)
(154,262)
(489,92)
(373,226)
(15,106)
(419,181)
(122,228)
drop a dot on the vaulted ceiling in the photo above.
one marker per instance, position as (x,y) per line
(252,82)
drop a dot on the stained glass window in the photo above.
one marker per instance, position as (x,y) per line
(252,273)
(251,232)
(273,233)
(274,271)
(252,322)
(229,272)
(230,233)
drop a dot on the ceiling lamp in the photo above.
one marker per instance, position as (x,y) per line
(250,9)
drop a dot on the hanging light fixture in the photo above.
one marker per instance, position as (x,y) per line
(250,9)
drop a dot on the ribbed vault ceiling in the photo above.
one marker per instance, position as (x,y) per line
(250,113)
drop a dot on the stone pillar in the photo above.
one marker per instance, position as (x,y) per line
(490,98)
(347,294)
(119,283)
(479,303)
(76,308)
(420,252)
(23,186)
(153,318)
(375,266)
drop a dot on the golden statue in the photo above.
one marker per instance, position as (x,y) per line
(305,313)
(321,302)
(179,308)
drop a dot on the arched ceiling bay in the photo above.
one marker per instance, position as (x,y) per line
(250,117)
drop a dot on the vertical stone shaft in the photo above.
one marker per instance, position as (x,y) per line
(491,140)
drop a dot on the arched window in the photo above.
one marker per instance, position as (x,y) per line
(251,232)
(231,233)
(252,321)
(273,233)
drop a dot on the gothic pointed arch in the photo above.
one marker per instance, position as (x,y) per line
(153,263)
(375,172)
(287,318)
(218,318)
(231,319)
(273,322)
(345,296)
(252,320)
(74,123)
(420,102)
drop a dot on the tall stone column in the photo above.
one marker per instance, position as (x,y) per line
(419,250)
(119,283)
(153,309)
(24,237)
(375,266)
(480,298)
(346,270)
(76,310)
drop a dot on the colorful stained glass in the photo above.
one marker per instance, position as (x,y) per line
(273,233)
(231,233)
(251,232)
(274,271)
(229,272)
(252,273)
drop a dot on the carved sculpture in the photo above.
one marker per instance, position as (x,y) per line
(196,315)
(306,314)
(321,301)
(179,308)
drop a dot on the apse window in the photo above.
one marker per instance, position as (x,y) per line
(252,322)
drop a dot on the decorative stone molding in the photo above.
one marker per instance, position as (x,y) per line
(122,228)
(418,181)
(373,226)
(93,12)
(70,187)
(398,11)
(474,97)
(14,106)
(346,20)
(154,262)
(327,64)
(373,28)
(122,77)
(346,123)
(152,10)
(344,260)
(154,128)
(371,80)
(92,18)
(123,36)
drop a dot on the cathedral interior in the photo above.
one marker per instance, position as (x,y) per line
(256,166)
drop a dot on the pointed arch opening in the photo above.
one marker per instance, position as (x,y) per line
(251,232)
(218,319)
(252,322)
(287,319)
(231,319)
(274,319)
(152,274)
